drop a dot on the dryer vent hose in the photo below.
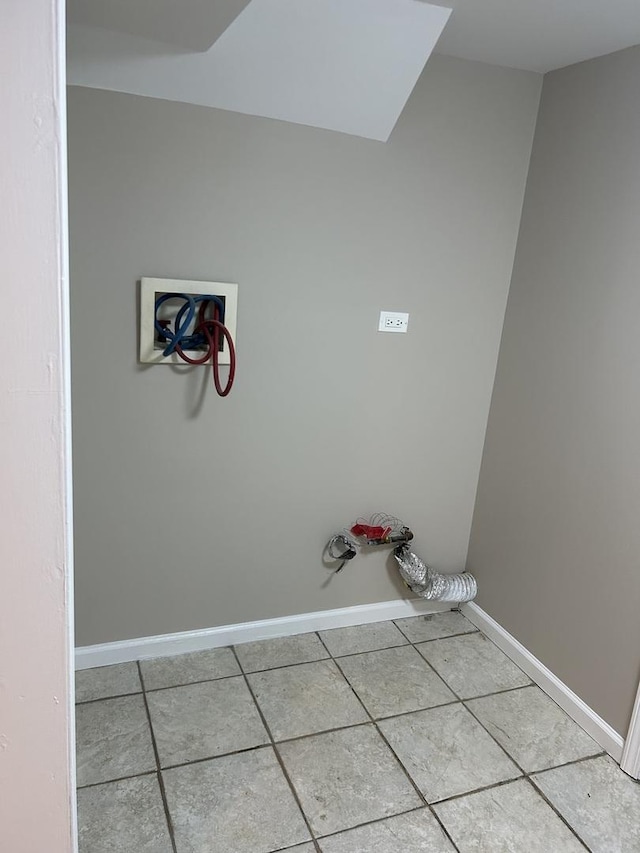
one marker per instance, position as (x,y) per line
(431,585)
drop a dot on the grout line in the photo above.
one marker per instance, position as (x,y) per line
(163,792)
(314,840)
(366,651)
(488,787)
(420,808)
(118,779)
(399,645)
(103,698)
(437,639)
(420,794)
(500,747)
(554,809)
(281,666)
(148,690)
(279,759)
(244,671)
(495,740)
(527,773)
(400,764)
(215,755)
(189,683)
(370,721)
(499,692)
(602,754)
(430,665)
(415,710)
(322,732)
(480,790)
(500,784)
(529,683)
(524,778)
(511,758)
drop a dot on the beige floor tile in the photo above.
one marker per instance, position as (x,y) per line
(535,732)
(447,752)
(282,651)
(113,740)
(306,699)
(188,668)
(106,681)
(233,804)
(434,626)
(416,832)
(394,681)
(123,816)
(362,638)
(346,778)
(202,720)
(472,665)
(599,801)
(510,819)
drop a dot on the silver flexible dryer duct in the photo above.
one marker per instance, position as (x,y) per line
(431,585)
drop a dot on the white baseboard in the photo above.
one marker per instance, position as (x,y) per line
(121,651)
(630,762)
(578,710)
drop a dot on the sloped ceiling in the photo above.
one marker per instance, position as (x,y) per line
(343,65)
(539,35)
(534,35)
(191,24)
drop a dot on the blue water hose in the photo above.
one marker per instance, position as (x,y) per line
(184,320)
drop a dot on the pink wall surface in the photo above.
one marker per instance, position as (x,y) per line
(36,713)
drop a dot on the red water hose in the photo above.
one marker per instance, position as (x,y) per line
(211,329)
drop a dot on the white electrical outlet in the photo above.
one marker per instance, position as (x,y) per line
(393,321)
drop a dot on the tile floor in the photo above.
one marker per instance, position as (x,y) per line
(405,737)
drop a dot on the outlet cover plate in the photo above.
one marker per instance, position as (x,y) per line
(393,321)
(152,288)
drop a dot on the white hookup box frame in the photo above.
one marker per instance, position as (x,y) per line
(151,288)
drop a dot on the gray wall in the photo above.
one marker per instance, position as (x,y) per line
(556,538)
(196,512)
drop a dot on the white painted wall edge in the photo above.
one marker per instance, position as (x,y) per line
(576,708)
(37,727)
(65,334)
(121,651)
(631,754)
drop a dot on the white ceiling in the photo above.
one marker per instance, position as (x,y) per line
(535,35)
(539,35)
(191,24)
(343,65)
